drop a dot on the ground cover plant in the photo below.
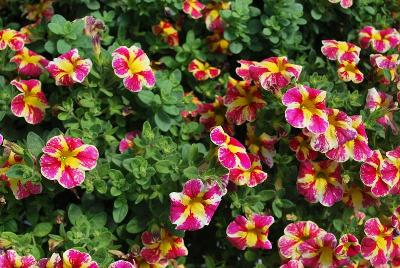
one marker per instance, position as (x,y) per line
(199,133)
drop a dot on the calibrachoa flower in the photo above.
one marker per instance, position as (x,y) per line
(242,100)
(66,159)
(320,252)
(395,253)
(213,18)
(300,144)
(167,31)
(133,65)
(1,139)
(396,219)
(160,245)
(275,73)
(348,71)
(292,264)
(193,208)
(231,153)
(71,258)
(217,43)
(343,3)
(385,62)
(35,12)
(356,148)
(69,68)
(377,244)
(306,108)
(140,262)
(11,259)
(11,38)
(339,131)
(370,174)
(348,246)
(244,70)
(391,170)
(213,114)
(251,177)
(320,182)
(29,63)
(93,28)
(263,145)
(127,142)
(340,51)
(193,8)
(381,100)
(380,40)
(31,103)
(203,71)
(250,232)
(294,235)
(122,264)
(358,198)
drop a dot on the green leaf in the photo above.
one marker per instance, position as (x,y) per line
(56,28)
(135,226)
(235,47)
(74,212)
(58,19)
(50,46)
(266,195)
(146,96)
(35,143)
(42,229)
(191,172)
(17,171)
(63,46)
(163,166)
(120,210)
(162,120)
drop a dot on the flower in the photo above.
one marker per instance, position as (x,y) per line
(306,108)
(356,148)
(251,177)
(396,219)
(294,235)
(380,40)
(213,114)
(11,259)
(71,258)
(250,232)
(69,68)
(231,153)
(31,103)
(292,264)
(358,198)
(300,144)
(122,264)
(202,71)
(133,65)
(1,139)
(320,252)
(348,71)
(390,170)
(242,101)
(244,70)
(167,31)
(127,142)
(371,176)
(389,63)
(217,43)
(274,73)
(343,3)
(193,8)
(348,246)
(381,100)
(66,159)
(377,244)
(93,28)
(340,51)
(214,22)
(11,38)
(43,9)
(339,131)
(159,245)
(140,262)
(320,182)
(193,208)
(29,63)
(262,145)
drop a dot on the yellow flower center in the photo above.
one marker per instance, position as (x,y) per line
(326,256)
(8,35)
(350,68)
(376,36)
(135,66)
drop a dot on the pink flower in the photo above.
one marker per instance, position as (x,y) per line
(294,235)
(292,264)
(193,8)
(242,101)
(43,9)
(348,246)
(244,70)
(66,159)
(10,259)
(371,176)
(306,108)
(71,258)
(275,73)
(396,219)
(202,70)
(263,145)
(122,264)
(250,233)
(389,63)
(358,198)
(31,103)
(29,63)
(167,31)
(133,65)
(357,148)
(343,3)
(127,142)
(381,100)
(377,244)
(231,153)
(11,38)
(300,144)
(213,114)
(320,182)
(380,40)
(390,170)
(340,51)
(251,177)
(348,71)
(213,18)
(93,29)
(69,68)
(194,207)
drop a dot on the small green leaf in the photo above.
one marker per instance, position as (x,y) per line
(42,229)
(135,226)
(35,143)
(63,46)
